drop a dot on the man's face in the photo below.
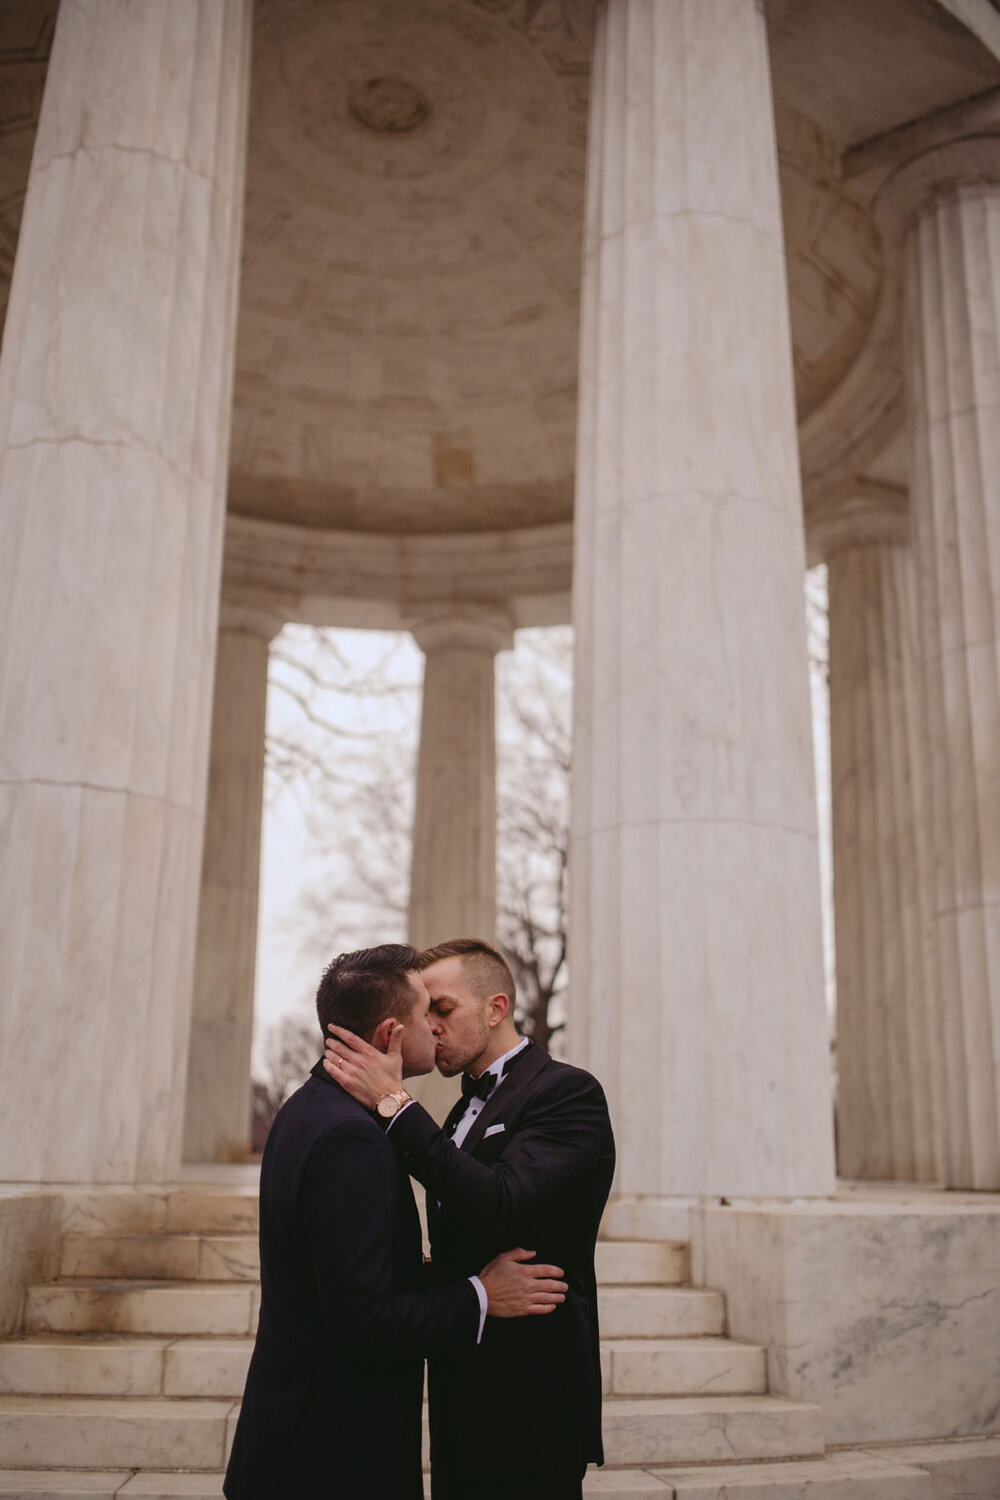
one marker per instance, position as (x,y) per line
(419,1039)
(457,1015)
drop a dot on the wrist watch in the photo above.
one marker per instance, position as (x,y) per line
(390,1104)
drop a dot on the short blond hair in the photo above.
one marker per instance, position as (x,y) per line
(487,971)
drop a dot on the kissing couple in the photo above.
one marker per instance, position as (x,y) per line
(505,1309)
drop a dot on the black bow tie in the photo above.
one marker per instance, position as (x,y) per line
(479,1088)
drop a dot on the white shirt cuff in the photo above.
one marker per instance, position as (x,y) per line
(398,1113)
(483,1305)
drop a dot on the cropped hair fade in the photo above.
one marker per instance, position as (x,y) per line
(487,971)
(359,990)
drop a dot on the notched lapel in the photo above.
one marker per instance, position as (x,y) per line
(523,1068)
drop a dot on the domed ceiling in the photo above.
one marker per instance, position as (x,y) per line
(410,303)
(409,308)
(409,311)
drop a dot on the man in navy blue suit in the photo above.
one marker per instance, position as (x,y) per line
(333,1394)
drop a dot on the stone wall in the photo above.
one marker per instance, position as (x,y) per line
(886,1313)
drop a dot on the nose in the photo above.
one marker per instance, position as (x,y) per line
(435,1025)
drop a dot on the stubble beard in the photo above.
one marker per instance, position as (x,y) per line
(451,1068)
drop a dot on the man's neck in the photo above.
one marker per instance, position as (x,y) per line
(499,1045)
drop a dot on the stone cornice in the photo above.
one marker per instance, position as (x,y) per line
(867,513)
(357,578)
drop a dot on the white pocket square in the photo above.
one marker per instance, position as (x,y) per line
(494,1130)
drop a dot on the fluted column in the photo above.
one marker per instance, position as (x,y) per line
(887,1044)
(453,874)
(217,1109)
(696,954)
(952,285)
(115,397)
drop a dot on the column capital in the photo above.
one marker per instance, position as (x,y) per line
(463,628)
(902,170)
(867,514)
(250,617)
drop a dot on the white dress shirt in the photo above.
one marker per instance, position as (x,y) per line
(475,1106)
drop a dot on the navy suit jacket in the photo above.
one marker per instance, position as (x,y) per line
(332,1404)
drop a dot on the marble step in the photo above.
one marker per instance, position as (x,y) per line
(963,1469)
(660,1312)
(839,1476)
(235,1257)
(85,1433)
(709,1429)
(630,1262)
(197,1209)
(119,1306)
(152,1433)
(680,1367)
(230,1309)
(42,1484)
(167,1257)
(207,1211)
(121,1365)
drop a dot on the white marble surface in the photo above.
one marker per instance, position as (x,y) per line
(115,397)
(640,1262)
(838,1476)
(53,1366)
(217,1103)
(952,284)
(659,1312)
(888,1046)
(709,1429)
(121,1307)
(79,1432)
(28,1249)
(883,1309)
(698,995)
(966,1470)
(647,1218)
(683,1367)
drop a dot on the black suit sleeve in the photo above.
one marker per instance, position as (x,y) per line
(349,1202)
(561,1135)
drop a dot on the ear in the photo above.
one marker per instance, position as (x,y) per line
(382,1033)
(500,1008)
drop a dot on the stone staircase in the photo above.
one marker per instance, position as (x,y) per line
(126,1379)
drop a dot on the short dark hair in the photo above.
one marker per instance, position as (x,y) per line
(487,971)
(358,990)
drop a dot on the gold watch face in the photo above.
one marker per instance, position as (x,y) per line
(387,1106)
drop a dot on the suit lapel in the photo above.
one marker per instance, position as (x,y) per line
(520,1071)
(453,1116)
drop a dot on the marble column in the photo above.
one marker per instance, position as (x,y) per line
(887,1048)
(697,988)
(952,287)
(115,400)
(453,874)
(217,1109)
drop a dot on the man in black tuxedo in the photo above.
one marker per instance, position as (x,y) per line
(333,1394)
(526,1155)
